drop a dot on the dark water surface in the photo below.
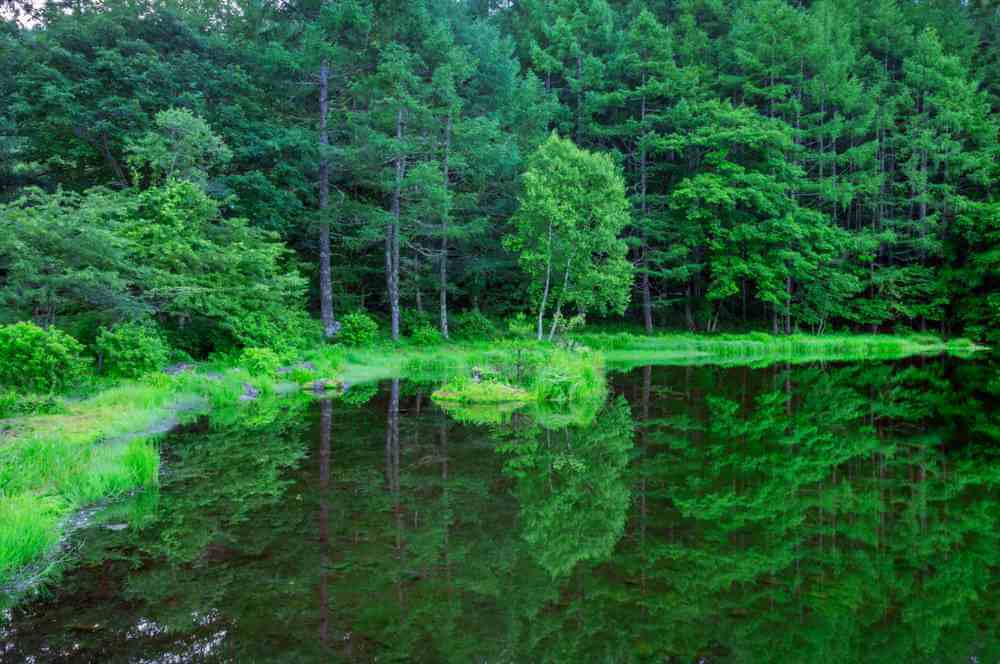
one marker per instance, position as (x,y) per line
(837,513)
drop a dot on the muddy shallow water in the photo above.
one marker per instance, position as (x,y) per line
(816,513)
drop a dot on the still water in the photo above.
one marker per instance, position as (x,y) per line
(817,513)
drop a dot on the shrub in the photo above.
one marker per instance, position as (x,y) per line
(131,350)
(283,331)
(519,325)
(357,329)
(426,336)
(260,361)
(13,404)
(39,360)
(472,325)
(411,320)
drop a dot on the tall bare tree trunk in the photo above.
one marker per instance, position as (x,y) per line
(444,233)
(392,233)
(325,282)
(647,298)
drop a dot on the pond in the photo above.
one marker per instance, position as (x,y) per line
(811,513)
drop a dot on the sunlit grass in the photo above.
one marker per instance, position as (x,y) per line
(624,349)
(466,391)
(28,527)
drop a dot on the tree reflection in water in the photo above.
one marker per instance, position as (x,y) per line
(812,513)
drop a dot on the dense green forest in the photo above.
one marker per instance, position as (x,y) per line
(225,173)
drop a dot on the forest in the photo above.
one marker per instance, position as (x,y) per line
(213,176)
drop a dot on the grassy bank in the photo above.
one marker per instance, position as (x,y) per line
(624,350)
(104,445)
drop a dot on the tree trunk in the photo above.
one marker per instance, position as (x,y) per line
(545,291)
(444,233)
(559,302)
(688,314)
(325,281)
(392,233)
(647,298)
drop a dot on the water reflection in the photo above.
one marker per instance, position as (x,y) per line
(810,513)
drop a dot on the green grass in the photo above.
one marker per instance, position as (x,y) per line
(28,526)
(467,391)
(104,446)
(623,350)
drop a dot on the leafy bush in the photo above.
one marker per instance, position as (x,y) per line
(411,320)
(260,361)
(282,330)
(39,360)
(215,282)
(472,325)
(357,329)
(519,325)
(426,336)
(13,404)
(131,350)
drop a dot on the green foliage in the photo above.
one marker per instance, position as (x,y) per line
(357,329)
(567,231)
(487,390)
(39,360)
(570,376)
(411,320)
(214,282)
(359,395)
(472,326)
(16,404)
(283,330)
(182,146)
(130,350)
(519,326)
(425,335)
(260,361)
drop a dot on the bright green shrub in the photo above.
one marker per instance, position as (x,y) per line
(357,329)
(260,361)
(130,350)
(33,359)
(426,336)
(472,325)
(520,326)
(283,331)
(13,404)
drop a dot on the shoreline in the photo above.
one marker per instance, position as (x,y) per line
(105,446)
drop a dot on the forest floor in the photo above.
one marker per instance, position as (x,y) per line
(103,444)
